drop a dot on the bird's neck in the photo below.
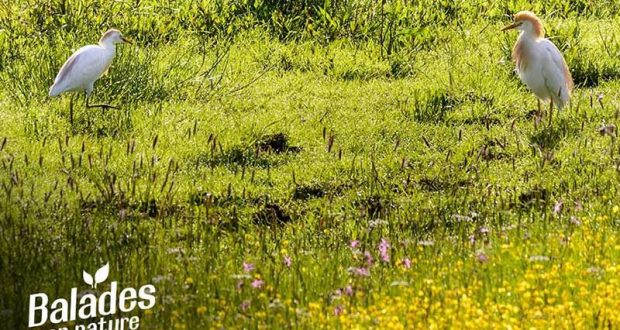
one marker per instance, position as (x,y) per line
(108,45)
(528,37)
(522,49)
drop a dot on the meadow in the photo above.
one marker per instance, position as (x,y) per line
(313,164)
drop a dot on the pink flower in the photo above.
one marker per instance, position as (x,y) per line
(258,283)
(360,271)
(348,290)
(407,263)
(354,244)
(287,261)
(239,285)
(369,259)
(245,305)
(384,248)
(482,257)
(248,267)
(338,310)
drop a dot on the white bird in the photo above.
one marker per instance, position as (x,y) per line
(540,64)
(86,65)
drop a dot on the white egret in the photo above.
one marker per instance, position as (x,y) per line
(540,64)
(85,66)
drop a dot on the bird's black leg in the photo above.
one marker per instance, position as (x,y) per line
(103,105)
(71,110)
(550,111)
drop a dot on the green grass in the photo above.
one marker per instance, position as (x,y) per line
(431,143)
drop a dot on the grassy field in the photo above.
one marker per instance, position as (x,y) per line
(311,165)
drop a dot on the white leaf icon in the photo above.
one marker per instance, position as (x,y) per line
(87,278)
(102,274)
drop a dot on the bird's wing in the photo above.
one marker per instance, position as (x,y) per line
(79,59)
(67,67)
(558,62)
(555,72)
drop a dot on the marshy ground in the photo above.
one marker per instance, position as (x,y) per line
(274,166)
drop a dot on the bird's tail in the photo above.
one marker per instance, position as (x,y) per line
(54,90)
(562,98)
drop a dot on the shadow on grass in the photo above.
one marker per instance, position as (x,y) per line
(548,137)
(264,153)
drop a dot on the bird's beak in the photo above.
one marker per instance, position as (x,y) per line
(512,26)
(127,41)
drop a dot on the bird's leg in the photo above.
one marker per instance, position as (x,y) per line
(537,115)
(103,105)
(71,110)
(550,111)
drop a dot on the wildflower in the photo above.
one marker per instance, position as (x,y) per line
(287,261)
(407,263)
(361,271)
(245,305)
(557,208)
(239,285)
(338,310)
(248,267)
(354,244)
(369,259)
(472,239)
(482,257)
(348,290)
(384,247)
(258,283)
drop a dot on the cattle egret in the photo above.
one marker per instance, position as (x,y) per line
(540,64)
(85,66)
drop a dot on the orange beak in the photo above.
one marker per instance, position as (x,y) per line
(512,26)
(125,40)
